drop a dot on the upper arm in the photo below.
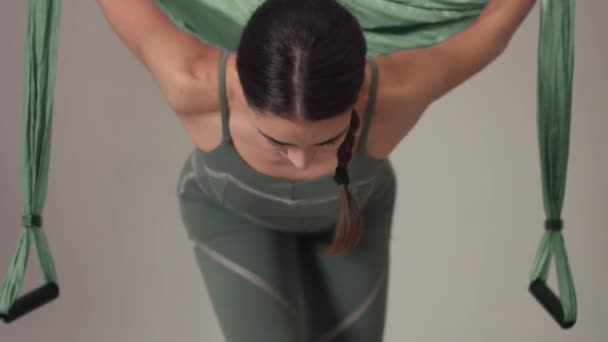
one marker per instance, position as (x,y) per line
(167,52)
(429,73)
(410,80)
(426,74)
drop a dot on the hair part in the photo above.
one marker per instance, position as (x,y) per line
(305,60)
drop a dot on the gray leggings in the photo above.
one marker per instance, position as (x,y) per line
(270,286)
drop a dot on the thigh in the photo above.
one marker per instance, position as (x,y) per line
(249,272)
(346,295)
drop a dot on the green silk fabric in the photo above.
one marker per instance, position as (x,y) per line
(388,25)
(42,35)
(555,69)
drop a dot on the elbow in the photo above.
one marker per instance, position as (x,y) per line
(499,46)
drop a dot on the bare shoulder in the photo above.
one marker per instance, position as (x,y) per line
(397,109)
(194,93)
(200,113)
(198,102)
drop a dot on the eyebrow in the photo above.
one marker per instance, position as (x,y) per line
(289,144)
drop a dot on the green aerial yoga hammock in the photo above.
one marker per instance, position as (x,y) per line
(389,25)
(555,66)
(38,90)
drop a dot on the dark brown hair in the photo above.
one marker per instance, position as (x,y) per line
(305,59)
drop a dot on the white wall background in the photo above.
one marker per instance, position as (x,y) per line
(469,212)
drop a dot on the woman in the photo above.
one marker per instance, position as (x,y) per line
(285,252)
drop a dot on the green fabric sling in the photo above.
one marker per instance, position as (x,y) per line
(388,25)
(37,107)
(555,67)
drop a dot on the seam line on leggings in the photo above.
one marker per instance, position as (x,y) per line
(247,274)
(357,313)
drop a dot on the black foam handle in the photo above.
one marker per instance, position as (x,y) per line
(550,302)
(31,301)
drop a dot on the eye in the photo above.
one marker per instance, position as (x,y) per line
(329,143)
(274,143)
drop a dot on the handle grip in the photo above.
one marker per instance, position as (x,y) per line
(550,302)
(31,301)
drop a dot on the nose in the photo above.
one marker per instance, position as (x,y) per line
(300,158)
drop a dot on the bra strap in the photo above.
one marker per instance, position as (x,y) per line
(371,103)
(223,97)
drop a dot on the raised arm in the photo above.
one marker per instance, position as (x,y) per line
(413,79)
(428,73)
(165,50)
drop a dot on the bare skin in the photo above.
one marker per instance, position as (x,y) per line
(302,161)
(186,71)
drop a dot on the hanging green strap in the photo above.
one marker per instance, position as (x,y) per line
(37,107)
(555,67)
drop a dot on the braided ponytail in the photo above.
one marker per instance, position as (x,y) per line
(347,233)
